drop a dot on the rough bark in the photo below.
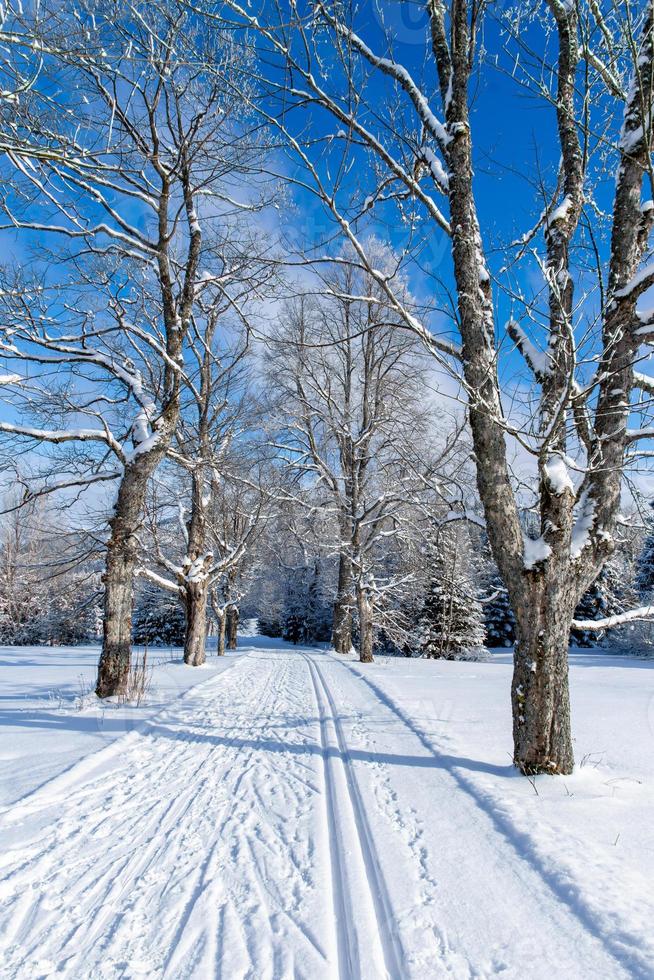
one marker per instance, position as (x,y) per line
(542,736)
(544,605)
(196,571)
(232,627)
(221,635)
(364,603)
(120,562)
(195,638)
(541,707)
(342,628)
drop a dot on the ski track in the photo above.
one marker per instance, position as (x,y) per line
(282,821)
(197,854)
(460,860)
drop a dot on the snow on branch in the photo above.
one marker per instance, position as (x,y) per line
(639,284)
(644,383)
(640,613)
(391,68)
(535,550)
(62,435)
(159,580)
(537,361)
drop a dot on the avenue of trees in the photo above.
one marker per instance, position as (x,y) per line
(270,337)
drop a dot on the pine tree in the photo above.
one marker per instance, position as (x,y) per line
(498,615)
(644,581)
(158,618)
(269,625)
(307,615)
(604,598)
(451,623)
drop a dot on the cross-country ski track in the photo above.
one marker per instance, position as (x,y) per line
(283,819)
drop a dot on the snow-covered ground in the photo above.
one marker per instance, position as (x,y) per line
(295,815)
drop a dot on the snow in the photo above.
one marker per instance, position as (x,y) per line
(561,212)
(535,550)
(298,815)
(582,526)
(47,693)
(438,172)
(638,283)
(558,475)
(538,360)
(143,447)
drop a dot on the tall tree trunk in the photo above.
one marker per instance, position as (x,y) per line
(195,638)
(539,693)
(120,562)
(364,603)
(221,634)
(232,627)
(342,627)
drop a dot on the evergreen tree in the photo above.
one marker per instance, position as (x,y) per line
(75,613)
(499,620)
(307,616)
(604,598)
(158,618)
(451,622)
(269,625)
(644,581)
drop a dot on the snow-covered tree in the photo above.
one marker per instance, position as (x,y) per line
(499,620)
(644,579)
(451,623)
(129,196)
(607,596)
(355,426)
(306,616)
(158,618)
(50,591)
(405,157)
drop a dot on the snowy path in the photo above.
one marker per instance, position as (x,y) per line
(281,820)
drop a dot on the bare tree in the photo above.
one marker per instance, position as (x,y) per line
(204,549)
(153,157)
(405,128)
(352,389)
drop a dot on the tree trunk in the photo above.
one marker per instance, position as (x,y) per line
(120,562)
(365,626)
(221,635)
(539,693)
(342,627)
(232,627)
(114,665)
(195,639)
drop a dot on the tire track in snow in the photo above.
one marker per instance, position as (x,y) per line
(354,951)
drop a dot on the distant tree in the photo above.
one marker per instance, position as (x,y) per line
(499,620)
(49,592)
(75,614)
(269,625)
(451,624)
(605,597)
(307,617)
(158,618)
(644,581)
(355,425)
